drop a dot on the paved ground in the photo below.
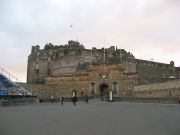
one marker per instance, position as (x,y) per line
(95,118)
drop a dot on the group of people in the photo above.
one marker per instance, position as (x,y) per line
(74,100)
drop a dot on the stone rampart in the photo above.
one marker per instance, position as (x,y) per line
(158,86)
(166,89)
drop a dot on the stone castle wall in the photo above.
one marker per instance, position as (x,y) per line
(58,86)
(58,60)
(58,70)
(126,89)
(152,72)
(165,89)
(47,91)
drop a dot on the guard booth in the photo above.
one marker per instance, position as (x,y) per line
(110,96)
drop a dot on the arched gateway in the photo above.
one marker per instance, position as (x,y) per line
(104,90)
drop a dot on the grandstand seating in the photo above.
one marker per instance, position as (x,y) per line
(8,87)
(6,82)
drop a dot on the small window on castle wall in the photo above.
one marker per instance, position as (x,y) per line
(114,87)
(49,58)
(93,88)
(37,66)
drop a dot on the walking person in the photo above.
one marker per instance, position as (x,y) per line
(86,99)
(74,97)
(52,98)
(62,101)
(74,100)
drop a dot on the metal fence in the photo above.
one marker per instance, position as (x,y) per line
(6,101)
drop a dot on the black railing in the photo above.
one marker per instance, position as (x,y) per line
(15,100)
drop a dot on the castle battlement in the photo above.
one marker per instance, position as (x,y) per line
(73,58)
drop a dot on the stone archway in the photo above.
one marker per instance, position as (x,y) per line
(104,89)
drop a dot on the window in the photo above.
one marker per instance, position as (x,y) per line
(93,88)
(49,72)
(37,66)
(49,58)
(114,87)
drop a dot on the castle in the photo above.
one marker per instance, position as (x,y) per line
(60,70)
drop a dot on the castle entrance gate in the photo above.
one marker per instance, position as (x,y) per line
(104,91)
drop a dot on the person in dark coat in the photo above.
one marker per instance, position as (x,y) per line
(86,99)
(74,99)
(62,101)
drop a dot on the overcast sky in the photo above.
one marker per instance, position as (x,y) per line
(147,28)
